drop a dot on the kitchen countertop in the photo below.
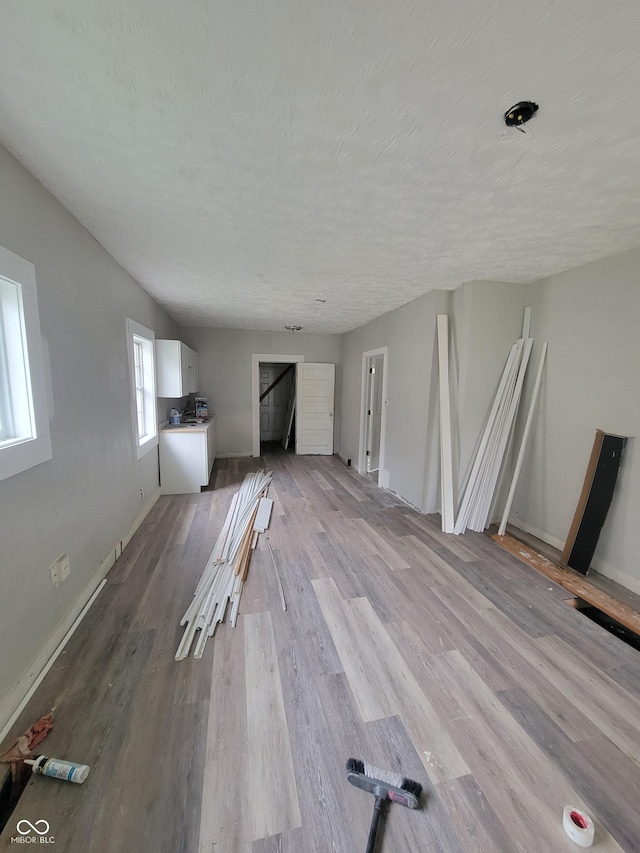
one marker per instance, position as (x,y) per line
(188,427)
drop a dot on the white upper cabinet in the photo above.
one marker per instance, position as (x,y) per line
(177,369)
(192,370)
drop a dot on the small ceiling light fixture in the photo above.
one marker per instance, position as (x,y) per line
(519,114)
(293,329)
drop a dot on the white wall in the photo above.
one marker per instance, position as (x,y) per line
(411,446)
(590,318)
(485,319)
(225,373)
(86,498)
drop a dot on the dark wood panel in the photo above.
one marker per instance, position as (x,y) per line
(595,500)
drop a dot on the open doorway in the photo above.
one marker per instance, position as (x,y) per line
(257,360)
(373,415)
(277,403)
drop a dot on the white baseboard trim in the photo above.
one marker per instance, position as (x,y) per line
(405,501)
(140,517)
(238,455)
(13,703)
(14,700)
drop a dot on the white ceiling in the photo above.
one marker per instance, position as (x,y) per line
(243,158)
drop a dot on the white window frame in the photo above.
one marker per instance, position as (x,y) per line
(144,411)
(26,440)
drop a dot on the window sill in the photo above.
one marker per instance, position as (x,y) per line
(146,446)
(18,455)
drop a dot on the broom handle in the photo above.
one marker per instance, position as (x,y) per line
(375,820)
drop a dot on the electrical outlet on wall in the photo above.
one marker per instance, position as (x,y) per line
(65,568)
(59,571)
(141,494)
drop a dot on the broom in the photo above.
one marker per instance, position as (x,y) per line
(384,786)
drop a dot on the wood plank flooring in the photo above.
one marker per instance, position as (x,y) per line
(574,581)
(442,658)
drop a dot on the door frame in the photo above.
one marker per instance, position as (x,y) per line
(256,358)
(383,474)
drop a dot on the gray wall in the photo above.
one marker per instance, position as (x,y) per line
(487,320)
(225,373)
(411,446)
(85,499)
(589,316)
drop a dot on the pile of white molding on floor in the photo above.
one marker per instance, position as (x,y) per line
(227,567)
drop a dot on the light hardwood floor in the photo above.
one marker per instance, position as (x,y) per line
(439,657)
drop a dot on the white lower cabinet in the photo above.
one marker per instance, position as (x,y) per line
(187,454)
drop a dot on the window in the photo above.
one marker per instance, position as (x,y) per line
(141,343)
(6,409)
(138,361)
(24,421)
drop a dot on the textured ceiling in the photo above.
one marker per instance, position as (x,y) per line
(242,158)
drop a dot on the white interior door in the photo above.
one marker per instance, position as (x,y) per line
(314,408)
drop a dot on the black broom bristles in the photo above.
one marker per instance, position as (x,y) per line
(392,786)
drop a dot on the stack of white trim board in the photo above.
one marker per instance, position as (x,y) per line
(481,490)
(227,567)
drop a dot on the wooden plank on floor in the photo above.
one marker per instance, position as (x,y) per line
(320,481)
(378,544)
(382,683)
(505,643)
(225,813)
(573,581)
(352,486)
(365,678)
(81,817)
(507,764)
(613,708)
(186,520)
(437,751)
(585,763)
(283,842)
(270,782)
(477,824)
(430,527)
